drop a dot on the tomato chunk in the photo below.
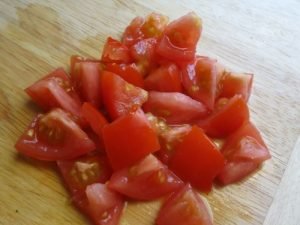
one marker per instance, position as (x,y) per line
(180,38)
(129,139)
(149,179)
(185,207)
(105,206)
(175,107)
(119,96)
(228,116)
(244,151)
(197,160)
(83,171)
(54,136)
(200,80)
(115,52)
(129,72)
(166,78)
(55,90)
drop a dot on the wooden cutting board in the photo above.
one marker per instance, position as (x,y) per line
(261,37)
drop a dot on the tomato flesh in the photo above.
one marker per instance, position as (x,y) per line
(54,136)
(129,139)
(149,179)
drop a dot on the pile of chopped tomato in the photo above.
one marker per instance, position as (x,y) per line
(145,121)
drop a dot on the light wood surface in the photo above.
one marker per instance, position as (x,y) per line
(261,37)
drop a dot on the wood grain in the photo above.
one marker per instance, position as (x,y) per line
(261,37)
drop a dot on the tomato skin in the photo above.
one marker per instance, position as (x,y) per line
(104,206)
(174,107)
(54,136)
(184,207)
(115,52)
(129,72)
(83,171)
(200,80)
(244,151)
(166,78)
(133,32)
(120,97)
(126,148)
(55,90)
(234,83)
(149,179)
(180,38)
(226,119)
(197,160)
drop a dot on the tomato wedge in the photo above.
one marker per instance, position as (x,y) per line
(129,139)
(174,107)
(244,151)
(185,207)
(115,52)
(149,179)
(105,206)
(119,96)
(197,160)
(166,78)
(200,80)
(228,116)
(55,90)
(54,136)
(83,171)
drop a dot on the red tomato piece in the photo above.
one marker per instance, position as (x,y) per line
(169,139)
(166,78)
(87,82)
(228,116)
(185,207)
(200,80)
(149,179)
(197,160)
(244,151)
(129,139)
(53,91)
(83,171)
(129,72)
(154,25)
(119,96)
(104,205)
(133,32)
(180,38)
(54,136)
(175,107)
(235,83)
(143,53)
(115,52)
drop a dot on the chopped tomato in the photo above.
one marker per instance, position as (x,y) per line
(115,52)
(129,72)
(149,179)
(180,38)
(129,139)
(185,207)
(228,116)
(119,96)
(165,78)
(83,171)
(133,32)
(154,25)
(105,206)
(86,80)
(235,83)
(55,90)
(143,52)
(54,136)
(169,139)
(197,160)
(159,125)
(175,107)
(244,151)
(199,80)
